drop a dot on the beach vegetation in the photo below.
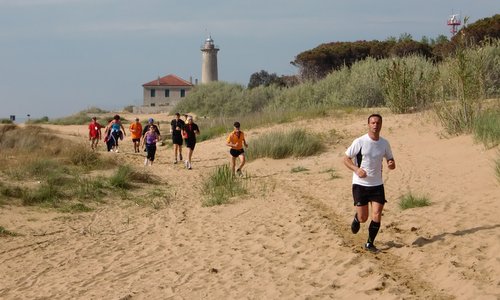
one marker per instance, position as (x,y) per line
(282,144)
(299,169)
(222,185)
(5,232)
(333,173)
(36,170)
(410,200)
(487,128)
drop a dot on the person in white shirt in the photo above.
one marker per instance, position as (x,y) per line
(364,157)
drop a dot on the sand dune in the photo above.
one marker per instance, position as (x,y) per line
(288,238)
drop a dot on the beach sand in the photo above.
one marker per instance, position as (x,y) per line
(288,238)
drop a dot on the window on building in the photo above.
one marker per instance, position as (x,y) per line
(152,104)
(167,93)
(183,93)
(153,93)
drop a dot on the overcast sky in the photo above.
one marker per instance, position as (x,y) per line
(58,57)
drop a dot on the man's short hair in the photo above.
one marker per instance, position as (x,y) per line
(374,115)
(236,124)
(178,114)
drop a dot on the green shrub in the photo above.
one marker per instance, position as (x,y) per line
(466,77)
(409,84)
(487,128)
(90,188)
(45,194)
(277,145)
(221,185)
(121,178)
(84,157)
(10,191)
(411,201)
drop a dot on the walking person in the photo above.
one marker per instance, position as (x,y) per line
(114,132)
(189,134)
(136,134)
(151,123)
(368,152)
(236,140)
(176,126)
(150,138)
(94,133)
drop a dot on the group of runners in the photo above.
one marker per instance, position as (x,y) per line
(364,157)
(182,131)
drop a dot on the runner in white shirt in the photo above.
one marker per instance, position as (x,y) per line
(364,157)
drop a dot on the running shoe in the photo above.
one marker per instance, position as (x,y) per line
(189,166)
(175,162)
(239,173)
(371,247)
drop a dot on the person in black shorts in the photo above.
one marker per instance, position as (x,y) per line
(236,140)
(176,127)
(364,158)
(189,134)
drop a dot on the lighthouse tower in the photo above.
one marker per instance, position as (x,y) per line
(209,71)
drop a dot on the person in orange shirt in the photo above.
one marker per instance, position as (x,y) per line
(236,140)
(136,133)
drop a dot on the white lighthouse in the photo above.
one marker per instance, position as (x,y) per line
(209,71)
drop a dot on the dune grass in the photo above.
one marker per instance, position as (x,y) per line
(221,186)
(411,201)
(4,232)
(333,173)
(283,144)
(38,171)
(487,128)
(299,169)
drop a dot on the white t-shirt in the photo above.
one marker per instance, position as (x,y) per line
(372,154)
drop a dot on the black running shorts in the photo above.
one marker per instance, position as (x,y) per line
(236,152)
(364,194)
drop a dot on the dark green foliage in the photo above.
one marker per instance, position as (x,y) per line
(263,78)
(479,31)
(322,60)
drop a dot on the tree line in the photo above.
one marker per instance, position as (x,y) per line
(317,63)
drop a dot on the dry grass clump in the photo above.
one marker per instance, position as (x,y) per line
(43,169)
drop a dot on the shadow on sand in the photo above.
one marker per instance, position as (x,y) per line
(421,241)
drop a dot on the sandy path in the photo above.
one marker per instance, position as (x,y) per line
(289,238)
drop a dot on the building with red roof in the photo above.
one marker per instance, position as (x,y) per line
(162,94)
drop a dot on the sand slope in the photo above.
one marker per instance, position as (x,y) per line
(289,238)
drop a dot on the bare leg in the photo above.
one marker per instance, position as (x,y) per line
(242,161)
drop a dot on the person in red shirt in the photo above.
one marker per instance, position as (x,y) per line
(236,140)
(94,133)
